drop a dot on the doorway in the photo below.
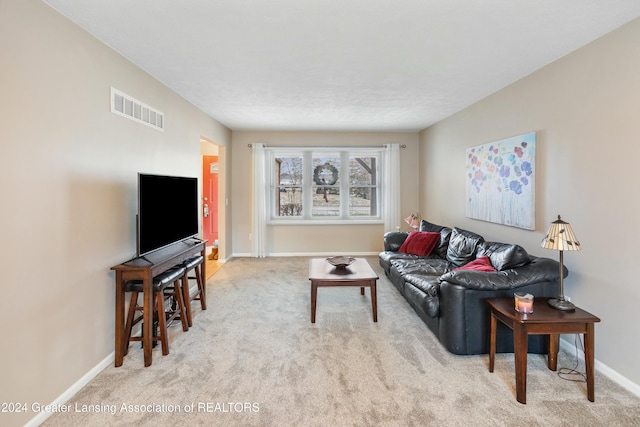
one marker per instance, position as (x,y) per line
(210,199)
(213,202)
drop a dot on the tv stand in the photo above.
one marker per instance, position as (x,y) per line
(145,268)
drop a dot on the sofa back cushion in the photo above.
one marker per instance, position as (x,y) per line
(445,235)
(462,247)
(504,256)
(420,243)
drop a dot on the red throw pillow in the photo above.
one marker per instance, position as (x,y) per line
(479,264)
(420,243)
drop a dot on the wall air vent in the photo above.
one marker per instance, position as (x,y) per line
(129,107)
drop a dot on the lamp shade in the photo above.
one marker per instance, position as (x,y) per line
(413,220)
(560,237)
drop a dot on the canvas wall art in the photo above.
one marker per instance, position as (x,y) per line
(500,181)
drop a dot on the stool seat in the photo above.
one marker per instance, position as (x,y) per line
(193,262)
(161,290)
(159,282)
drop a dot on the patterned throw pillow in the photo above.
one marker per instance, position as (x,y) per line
(420,243)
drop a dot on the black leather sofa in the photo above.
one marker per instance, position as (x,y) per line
(452,302)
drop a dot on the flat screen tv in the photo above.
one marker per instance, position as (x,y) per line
(167,211)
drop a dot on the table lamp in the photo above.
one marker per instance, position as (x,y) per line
(560,237)
(413,220)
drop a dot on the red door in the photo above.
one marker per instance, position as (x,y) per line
(210,199)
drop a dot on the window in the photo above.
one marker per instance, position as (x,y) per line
(324,184)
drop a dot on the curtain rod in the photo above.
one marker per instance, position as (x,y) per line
(327,146)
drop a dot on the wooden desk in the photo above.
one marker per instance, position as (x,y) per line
(544,320)
(145,268)
(360,273)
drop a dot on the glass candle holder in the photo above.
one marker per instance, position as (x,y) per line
(523,302)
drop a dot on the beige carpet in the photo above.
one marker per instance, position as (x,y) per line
(254,359)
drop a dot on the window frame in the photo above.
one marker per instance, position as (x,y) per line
(308,185)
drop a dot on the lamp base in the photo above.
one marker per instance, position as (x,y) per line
(561,304)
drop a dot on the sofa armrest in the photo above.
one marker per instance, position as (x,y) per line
(538,270)
(394,239)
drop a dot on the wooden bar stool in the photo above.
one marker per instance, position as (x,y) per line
(193,264)
(161,292)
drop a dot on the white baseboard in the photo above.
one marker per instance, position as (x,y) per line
(603,369)
(71,391)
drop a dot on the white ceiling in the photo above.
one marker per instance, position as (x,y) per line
(397,65)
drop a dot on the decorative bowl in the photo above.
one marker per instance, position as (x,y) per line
(341,261)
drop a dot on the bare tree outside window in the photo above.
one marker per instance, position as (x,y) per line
(363,175)
(317,184)
(289,185)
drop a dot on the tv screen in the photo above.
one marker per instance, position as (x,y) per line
(167,210)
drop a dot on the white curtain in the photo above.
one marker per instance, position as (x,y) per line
(260,191)
(391,183)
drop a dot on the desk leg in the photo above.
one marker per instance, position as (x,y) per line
(147,339)
(374,300)
(314,298)
(119,344)
(492,341)
(588,360)
(521,348)
(552,361)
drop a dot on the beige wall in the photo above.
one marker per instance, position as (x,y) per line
(585,109)
(68,173)
(316,239)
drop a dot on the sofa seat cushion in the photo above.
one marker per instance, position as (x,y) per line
(430,285)
(387,256)
(463,246)
(424,266)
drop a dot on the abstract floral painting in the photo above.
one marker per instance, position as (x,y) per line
(501,181)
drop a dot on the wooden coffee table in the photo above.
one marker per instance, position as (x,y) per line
(359,273)
(544,320)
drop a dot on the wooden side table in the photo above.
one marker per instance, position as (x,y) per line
(544,320)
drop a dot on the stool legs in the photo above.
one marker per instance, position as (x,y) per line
(199,295)
(159,309)
(162,323)
(179,296)
(201,290)
(187,299)
(133,305)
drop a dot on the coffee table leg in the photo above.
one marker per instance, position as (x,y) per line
(314,298)
(521,348)
(374,301)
